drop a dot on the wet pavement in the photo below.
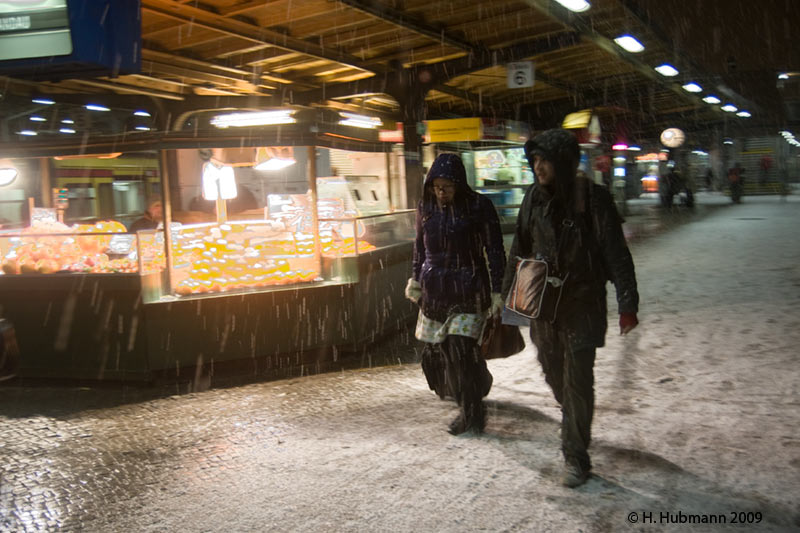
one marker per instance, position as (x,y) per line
(366,450)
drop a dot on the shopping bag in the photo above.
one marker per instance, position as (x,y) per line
(500,340)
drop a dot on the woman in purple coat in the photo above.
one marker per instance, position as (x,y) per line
(457,231)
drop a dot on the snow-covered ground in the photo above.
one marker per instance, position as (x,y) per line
(697,419)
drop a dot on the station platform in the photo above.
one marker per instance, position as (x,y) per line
(696,418)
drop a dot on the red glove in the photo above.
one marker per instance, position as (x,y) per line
(627,321)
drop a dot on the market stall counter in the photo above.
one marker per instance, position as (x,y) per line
(243,295)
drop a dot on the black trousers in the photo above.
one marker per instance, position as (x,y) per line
(455,369)
(569,370)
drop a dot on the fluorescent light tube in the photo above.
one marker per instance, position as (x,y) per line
(360,121)
(275,163)
(256,118)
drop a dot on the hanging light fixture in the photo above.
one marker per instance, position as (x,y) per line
(7,174)
(273,158)
(218,182)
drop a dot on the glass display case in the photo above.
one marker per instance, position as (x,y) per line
(51,247)
(503,175)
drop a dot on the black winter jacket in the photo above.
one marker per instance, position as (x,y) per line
(449,261)
(593,251)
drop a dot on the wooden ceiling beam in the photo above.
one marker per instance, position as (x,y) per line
(210,67)
(405,21)
(130,89)
(577,23)
(236,28)
(170,70)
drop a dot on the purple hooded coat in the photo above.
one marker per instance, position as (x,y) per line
(449,261)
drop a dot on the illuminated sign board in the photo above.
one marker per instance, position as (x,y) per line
(454,129)
(476,129)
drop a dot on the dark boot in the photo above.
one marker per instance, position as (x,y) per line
(458,425)
(475,417)
(472,418)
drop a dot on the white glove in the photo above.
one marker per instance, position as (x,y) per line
(413,290)
(496,308)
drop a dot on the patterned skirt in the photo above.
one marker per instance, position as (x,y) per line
(464,324)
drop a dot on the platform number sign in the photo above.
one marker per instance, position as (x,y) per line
(520,74)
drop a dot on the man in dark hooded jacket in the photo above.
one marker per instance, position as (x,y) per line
(573,224)
(453,287)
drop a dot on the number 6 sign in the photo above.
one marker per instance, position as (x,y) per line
(520,74)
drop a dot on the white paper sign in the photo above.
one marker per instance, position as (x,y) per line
(520,74)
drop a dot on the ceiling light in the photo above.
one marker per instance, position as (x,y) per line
(730,108)
(634,149)
(95,107)
(699,152)
(273,158)
(727,141)
(142,128)
(360,121)
(692,87)
(620,159)
(744,114)
(29,133)
(629,43)
(783,76)
(257,118)
(37,118)
(620,146)
(141,113)
(7,176)
(578,6)
(667,70)
(43,101)
(275,163)
(67,121)
(711,99)
(67,130)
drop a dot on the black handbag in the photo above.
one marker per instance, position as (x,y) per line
(500,340)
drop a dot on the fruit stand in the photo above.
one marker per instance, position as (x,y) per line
(287,289)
